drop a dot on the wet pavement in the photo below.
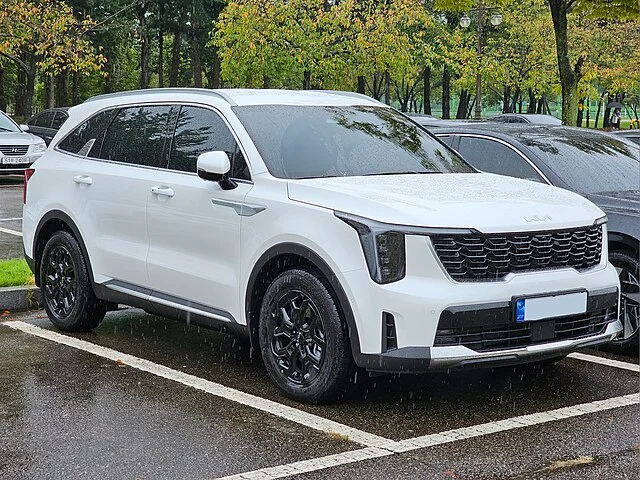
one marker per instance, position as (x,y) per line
(66,413)
(10,216)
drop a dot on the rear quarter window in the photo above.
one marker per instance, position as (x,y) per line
(86,139)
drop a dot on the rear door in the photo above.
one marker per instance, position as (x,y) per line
(112,190)
(194,225)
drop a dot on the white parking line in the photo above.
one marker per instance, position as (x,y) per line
(283,411)
(377,446)
(449,436)
(11,232)
(10,219)
(605,361)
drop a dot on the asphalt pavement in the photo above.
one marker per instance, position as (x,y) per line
(10,216)
(146,397)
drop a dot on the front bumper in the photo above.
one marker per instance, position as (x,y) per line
(19,168)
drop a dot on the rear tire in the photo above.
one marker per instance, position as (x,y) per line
(68,297)
(628,268)
(303,339)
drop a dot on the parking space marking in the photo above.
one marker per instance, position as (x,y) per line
(605,361)
(11,232)
(448,436)
(283,411)
(10,219)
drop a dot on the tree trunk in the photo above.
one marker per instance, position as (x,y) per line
(61,90)
(50,91)
(3,98)
(580,113)
(588,111)
(145,74)
(75,89)
(463,105)
(20,93)
(506,99)
(540,108)
(361,84)
(161,44)
(306,81)
(387,87)
(265,81)
(214,81)
(446,93)
(30,88)
(427,90)
(531,107)
(568,77)
(196,64)
(516,98)
(175,60)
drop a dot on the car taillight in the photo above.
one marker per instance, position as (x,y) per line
(28,173)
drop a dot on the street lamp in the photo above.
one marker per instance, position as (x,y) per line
(465,22)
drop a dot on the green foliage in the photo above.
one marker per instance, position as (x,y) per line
(14,273)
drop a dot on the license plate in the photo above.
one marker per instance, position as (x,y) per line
(550,306)
(13,160)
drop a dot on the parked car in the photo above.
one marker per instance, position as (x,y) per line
(602,167)
(18,149)
(326,226)
(633,135)
(535,118)
(47,123)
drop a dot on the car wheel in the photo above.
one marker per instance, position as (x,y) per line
(628,269)
(303,340)
(68,296)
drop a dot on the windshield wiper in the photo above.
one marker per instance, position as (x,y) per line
(408,172)
(6,129)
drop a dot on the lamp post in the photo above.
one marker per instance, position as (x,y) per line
(465,22)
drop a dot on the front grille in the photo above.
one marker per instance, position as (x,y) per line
(490,257)
(15,150)
(513,335)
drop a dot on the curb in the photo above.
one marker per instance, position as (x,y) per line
(20,298)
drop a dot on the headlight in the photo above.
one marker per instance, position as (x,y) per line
(383,248)
(39,147)
(383,244)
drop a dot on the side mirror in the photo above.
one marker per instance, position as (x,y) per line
(24,128)
(215,167)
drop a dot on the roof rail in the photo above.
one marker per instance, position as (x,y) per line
(361,96)
(169,90)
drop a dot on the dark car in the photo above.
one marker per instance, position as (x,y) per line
(47,123)
(633,135)
(602,167)
(534,118)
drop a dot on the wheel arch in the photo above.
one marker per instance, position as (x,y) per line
(280,258)
(623,242)
(50,223)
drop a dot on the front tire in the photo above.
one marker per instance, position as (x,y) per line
(68,297)
(628,268)
(303,339)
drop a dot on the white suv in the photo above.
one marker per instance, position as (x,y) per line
(328,227)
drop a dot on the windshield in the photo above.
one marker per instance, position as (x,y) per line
(8,125)
(588,162)
(327,141)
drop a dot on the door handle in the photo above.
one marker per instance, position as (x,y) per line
(162,190)
(83,179)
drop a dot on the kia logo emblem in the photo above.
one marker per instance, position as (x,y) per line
(536,218)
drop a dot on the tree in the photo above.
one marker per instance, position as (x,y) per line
(572,71)
(45,36)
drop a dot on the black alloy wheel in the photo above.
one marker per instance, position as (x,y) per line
(69,299)
(303,339)
(60,282)
(297,337)
(628,269)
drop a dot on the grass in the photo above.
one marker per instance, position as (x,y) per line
(14,273)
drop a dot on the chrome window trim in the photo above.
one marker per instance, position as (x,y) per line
(508,145)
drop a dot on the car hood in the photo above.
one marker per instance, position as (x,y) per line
(486,202)
(18,138)
(626,202)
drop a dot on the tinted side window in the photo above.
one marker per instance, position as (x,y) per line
(58,120)
(86,138)
(493,157)
(446,139)
(200,130)
(137,135)
(44,120)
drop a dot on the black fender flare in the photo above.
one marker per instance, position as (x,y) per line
(330,276)
(66,219)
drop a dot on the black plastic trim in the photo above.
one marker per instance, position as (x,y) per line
(315,259)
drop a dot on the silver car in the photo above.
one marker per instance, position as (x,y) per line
(18,149)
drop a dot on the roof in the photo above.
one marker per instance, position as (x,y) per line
(242,97)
